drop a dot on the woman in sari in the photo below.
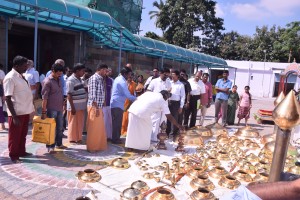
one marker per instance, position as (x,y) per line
(232,105)
(131,87)
(245,105)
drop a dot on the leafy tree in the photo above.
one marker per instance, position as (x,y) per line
(157,13)
(180,19)
(154,36)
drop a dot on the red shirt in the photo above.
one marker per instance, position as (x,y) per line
(205,98)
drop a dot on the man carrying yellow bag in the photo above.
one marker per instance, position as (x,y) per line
(53,101)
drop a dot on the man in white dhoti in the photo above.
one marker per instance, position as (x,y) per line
(157,85)
(140,123)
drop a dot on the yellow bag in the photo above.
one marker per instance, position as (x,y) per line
(43,131)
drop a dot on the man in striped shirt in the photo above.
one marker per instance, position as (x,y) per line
(76,105)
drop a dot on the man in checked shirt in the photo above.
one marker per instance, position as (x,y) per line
(96,136)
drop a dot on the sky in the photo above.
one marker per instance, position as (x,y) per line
(242,16)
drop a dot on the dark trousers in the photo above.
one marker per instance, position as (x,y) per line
(192,110)
(181,116)
(221,104)
(58,116)
(17,137)
(174,107)
(117,117)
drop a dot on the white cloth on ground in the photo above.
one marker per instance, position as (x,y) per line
(241,193)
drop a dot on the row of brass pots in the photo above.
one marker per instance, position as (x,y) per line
(133,193)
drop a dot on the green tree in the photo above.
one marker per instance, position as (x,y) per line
(153,35)
(289,41)
(180,19)
(157,13)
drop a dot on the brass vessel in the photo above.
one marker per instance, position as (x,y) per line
(286,113)
(242,176)
(131,194)
(159,168)
(269,147)
(217,172)
(143,168)
(148,175)
(120,163)
(229,182)
(249,168)
(202,193)
(252,158)
(295,169)
(202,181)
(212,162)
(253,146)
(263,164)
(247,132)
(261,177)
(217,129)
(140,185)
(268,138)
(88,176)
(162,194)
(194,173)
(223,155)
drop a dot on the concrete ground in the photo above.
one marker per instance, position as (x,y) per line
(52,176)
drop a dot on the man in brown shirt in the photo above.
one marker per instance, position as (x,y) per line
(53,101)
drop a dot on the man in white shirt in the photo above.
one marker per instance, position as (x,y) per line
(155,74)
(33,79)
(140,114)
(198,88)
(157,85)
(176,101)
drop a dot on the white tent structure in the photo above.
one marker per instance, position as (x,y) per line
(262,77)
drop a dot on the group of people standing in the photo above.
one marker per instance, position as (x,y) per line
(228,101)
(109,107)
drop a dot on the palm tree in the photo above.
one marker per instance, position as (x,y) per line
(156,13)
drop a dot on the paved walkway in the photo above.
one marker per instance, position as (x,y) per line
(52,176)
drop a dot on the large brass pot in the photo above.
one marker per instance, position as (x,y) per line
(162,194)
(247,132)
(202,193)
(131,194)
(88,176)
(192,137)
(217,129)
(229,182)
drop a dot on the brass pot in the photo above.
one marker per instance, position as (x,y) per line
(191,137)
(140,185)
(268,138)
(143,168)
(242,176)
(253,146)
(263,164)
(131,194)
(120,163)
(88,176)
(249,168)
(217,129)
(202,193)
(247,132)
(159,168)
(223,155)
(295,169)
(212,162)
(252,158)
(203,182)
(229,182)
(217,172)
(261,177)
(162,194)
(196,172)
(148,175)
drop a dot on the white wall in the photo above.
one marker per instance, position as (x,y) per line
(262,83)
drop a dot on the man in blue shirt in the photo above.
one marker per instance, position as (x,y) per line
(222,87)
(119,94)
